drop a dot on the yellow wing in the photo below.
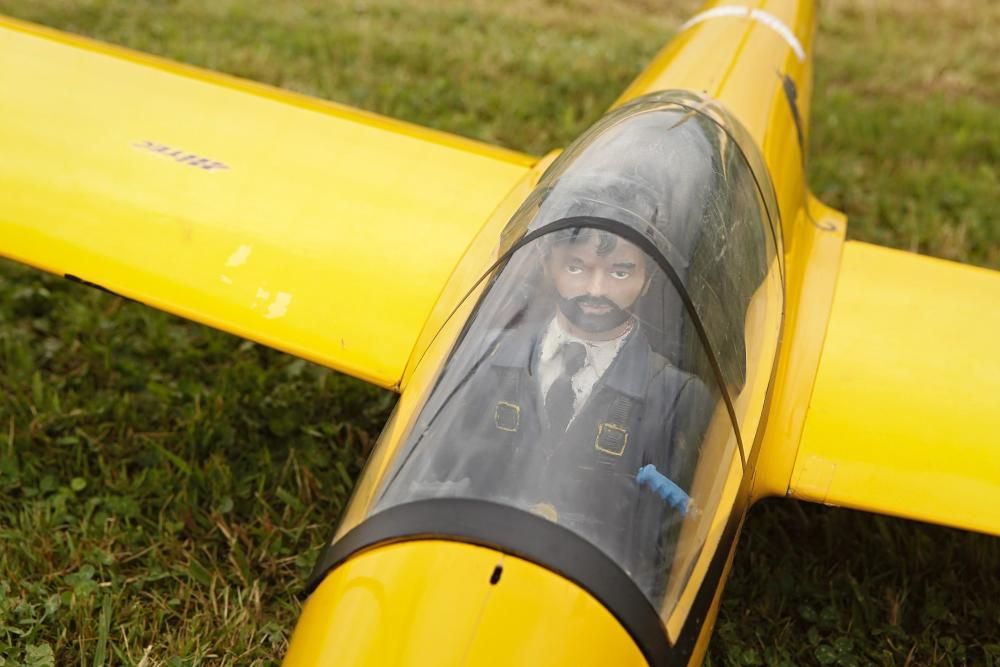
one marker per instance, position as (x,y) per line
(311,227)
(905,414)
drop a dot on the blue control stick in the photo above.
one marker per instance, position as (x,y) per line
(663,487)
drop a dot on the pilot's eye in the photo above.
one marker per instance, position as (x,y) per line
(621,275)
(574,269)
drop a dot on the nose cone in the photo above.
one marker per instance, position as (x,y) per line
(449,604)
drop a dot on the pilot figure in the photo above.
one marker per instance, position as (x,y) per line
(576,392)
(570,414)
(598,427)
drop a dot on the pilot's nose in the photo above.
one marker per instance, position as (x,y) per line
(597,285)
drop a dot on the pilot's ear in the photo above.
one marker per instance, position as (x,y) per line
(546,273)
(544,254)
(649,281)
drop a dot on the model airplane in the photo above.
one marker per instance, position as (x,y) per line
(754,352)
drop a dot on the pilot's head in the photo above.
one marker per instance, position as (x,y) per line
(598,277)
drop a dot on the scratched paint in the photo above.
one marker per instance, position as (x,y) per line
(279,307)
(276,308)
(239,256)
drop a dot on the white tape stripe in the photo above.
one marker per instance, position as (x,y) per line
(777,25)
(725,10)
(759,15)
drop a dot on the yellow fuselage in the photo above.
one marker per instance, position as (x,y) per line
(424,602)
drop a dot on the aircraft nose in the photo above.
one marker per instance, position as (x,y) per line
(433,602)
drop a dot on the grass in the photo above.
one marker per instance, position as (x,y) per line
(164,488)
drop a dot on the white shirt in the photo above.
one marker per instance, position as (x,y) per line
(600,354)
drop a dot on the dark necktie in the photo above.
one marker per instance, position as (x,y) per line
(560,397)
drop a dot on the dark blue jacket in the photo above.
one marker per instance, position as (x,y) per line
(493,441)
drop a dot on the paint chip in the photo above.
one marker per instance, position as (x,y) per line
(240,256)
(260,297)
(280,306)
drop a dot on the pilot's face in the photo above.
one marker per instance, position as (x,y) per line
(599,278)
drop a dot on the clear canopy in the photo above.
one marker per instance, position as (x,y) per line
(600,380)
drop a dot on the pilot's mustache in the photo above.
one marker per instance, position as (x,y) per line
(594,301)
(594,322)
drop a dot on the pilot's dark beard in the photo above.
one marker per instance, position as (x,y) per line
(593,322)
